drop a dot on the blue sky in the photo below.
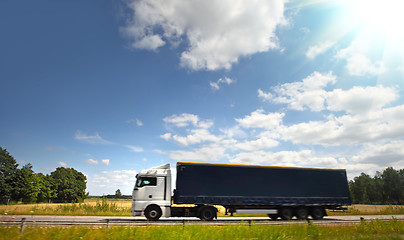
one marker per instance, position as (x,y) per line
(113,87)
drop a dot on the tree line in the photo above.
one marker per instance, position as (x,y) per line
(23,184)
(384,188)
(69,185)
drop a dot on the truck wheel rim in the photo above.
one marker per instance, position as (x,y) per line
(153,213)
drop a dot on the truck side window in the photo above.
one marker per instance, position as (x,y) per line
(146,181)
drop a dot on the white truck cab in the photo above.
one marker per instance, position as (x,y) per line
(151,196)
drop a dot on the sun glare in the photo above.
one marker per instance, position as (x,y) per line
(380,16)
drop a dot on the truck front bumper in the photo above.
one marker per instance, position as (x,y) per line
(137,213)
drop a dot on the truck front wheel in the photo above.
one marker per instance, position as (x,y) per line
(207,213)
(153,213)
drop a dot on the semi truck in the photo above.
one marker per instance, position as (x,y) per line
(284,192)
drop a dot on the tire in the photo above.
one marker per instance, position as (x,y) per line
(317,213)
(207,213)
(302,213)
(286,213)
(153,213)
(273,217)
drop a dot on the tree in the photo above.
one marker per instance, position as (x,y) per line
(70,184)
(63,185)
(383,188)
(375,192)
(360,187)
(118,193)
(27,185)
(8,170)
(393,186)
(47,188)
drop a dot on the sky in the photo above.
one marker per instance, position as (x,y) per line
(111,87)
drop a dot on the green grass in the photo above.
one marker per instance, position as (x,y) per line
(375,229)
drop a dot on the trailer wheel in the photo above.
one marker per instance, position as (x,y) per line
(207,213)
(317,213)
(286,213)
(302,213)
(153,212)
(273,217)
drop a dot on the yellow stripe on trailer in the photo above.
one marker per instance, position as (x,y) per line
(251,165)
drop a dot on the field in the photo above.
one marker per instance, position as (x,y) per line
(90,207)
(104,207)
(374,229)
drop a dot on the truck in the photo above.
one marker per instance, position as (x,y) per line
(284,192)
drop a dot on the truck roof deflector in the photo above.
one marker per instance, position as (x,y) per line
(165,166)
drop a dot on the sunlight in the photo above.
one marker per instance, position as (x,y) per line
(380,16)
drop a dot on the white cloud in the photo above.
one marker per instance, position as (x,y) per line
(254,145)
(367,119)
(62,164)
(285,158)
(105,162)
(234,132)
(258,119)
(205,124)
(318,49)
(94,139)
(134,148)
(378,125)
(136,121)
(213,152)
(197,136)
(358,100)
(139,123)
(182,120)
(217,33)
(95,162)
(107,182)
(266,96)
(308,93)
(376,157)
(355,169)
(151,42)
(166,136)
(216,85)
(359,65)
(382,154)
(357,60)
(91,161)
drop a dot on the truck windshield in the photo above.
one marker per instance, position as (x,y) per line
(146,181)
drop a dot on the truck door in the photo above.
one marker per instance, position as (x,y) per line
(144,188)
(150,188)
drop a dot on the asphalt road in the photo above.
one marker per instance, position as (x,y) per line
(30,220)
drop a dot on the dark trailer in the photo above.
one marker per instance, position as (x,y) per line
(287,191)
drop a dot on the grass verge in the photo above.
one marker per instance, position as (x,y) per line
(374,229)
